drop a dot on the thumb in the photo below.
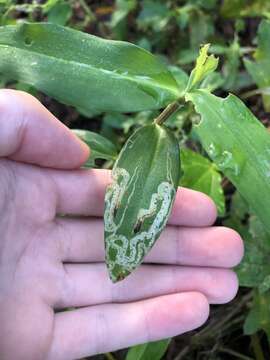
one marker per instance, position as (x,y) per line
(30,133)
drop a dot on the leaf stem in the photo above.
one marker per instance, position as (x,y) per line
(109,356)
(235,354)
(167,112)
(260,91)
(88,11)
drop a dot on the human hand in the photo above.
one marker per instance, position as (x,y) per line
(50,262)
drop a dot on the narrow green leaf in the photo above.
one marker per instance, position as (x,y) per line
(149,351)
(205,65)
(101,148)
(240,146)
(139,200)
(202,175)
(259,69)
(83,70)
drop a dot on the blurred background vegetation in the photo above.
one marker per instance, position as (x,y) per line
(174,31)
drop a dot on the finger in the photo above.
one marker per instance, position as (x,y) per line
(82,193)
(92,330)
(30,133)
(83,241)
(218,285)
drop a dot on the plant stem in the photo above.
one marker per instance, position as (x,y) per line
(235,354)
(260,91)
(91,16)
(109,356)
(207,331)
(256,346)
(167,112)
(183,353)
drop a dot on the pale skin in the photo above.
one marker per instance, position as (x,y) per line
(50,262)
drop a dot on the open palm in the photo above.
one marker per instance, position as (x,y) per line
(50,262)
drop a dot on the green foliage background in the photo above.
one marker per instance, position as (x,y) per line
(239,33)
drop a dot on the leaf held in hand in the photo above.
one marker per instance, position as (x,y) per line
(139,200)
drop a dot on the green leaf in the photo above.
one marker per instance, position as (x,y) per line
(60,13)
(149,351)
(201,27)
(100,147)
(259,316)
(260,69)
(240,146)
(120,121)
(239,207)
(212,82)
(123,8)
(254,269)
(180,76)
(187,56)
(202,175)
(83,70)
(205,65)
(49,4)
(139,200)
(232,64)
(264,286)
(154,14)
(236,8)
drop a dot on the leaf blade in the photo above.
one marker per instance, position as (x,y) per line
(83,70)
(259,69)
(100,147)
(239,144)
(202,175)
(149,351)
(139,200)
